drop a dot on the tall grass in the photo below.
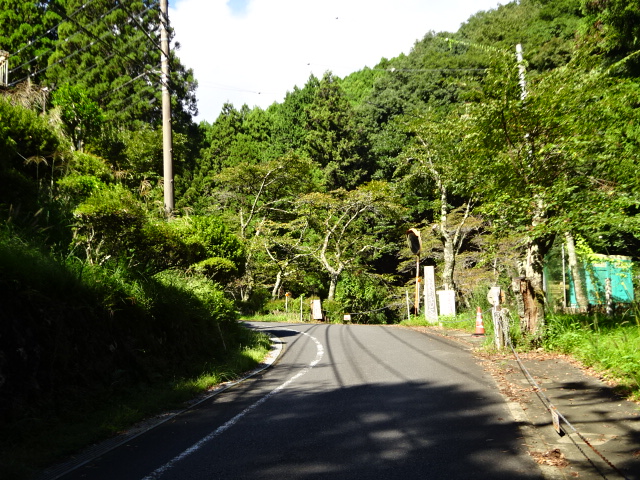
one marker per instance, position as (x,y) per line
(609,344)
(87,350)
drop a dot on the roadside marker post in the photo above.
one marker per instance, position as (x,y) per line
(479,324)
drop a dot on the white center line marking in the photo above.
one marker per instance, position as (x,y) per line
(157,473)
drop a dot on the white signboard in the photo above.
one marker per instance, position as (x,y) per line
(316,310)
(430,305)
(447,302)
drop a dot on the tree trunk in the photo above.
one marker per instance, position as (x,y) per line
(333,282)
(581,296)
(247,281)
(276,286)
(449,263)
(533,293)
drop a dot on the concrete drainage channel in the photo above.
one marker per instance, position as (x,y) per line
(95,451)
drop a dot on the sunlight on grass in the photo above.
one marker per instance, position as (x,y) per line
(462,321)
(292,317)
(610,346)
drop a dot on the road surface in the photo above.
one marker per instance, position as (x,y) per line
(342,402)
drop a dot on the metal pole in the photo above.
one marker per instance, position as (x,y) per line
(416,301)
(167,151)
(408,308)
(564,281)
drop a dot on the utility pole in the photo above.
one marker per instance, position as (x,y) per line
(167,142)
(521,72)
(415,244)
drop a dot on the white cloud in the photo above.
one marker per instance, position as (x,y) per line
(263,48)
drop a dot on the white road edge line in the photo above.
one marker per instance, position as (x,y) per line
(57,471)
(196,446)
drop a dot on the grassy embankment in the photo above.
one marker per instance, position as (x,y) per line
(87,351)
(611,345)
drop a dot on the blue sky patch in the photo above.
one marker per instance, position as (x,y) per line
(238,7)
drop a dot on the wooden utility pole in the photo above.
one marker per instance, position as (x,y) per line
(415,244)
(167,142)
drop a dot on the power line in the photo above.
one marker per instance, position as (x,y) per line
(59,40)
(110,47)
(64,40)
(127,83)
(130,105)
(76,52)
(52,28)
(153,42)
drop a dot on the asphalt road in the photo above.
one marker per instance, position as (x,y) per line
(342,402)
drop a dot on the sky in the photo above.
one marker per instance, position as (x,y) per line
(255,51)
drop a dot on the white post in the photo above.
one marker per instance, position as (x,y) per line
(4,68)
(564,281)
(301,319)
(416,301)
(430,304)
(521,71)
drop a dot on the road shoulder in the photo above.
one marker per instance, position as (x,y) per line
(600,423)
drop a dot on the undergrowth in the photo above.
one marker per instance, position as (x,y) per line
(87,350)
(611,345)
(35,440)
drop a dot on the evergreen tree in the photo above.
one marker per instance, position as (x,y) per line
(333,138)
(28,32)
(112,50)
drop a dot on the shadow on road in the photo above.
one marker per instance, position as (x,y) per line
(403,431)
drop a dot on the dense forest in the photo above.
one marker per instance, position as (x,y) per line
(495,158)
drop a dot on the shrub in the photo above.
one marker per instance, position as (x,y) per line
(365,297)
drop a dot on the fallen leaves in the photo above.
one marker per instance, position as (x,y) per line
(551,457)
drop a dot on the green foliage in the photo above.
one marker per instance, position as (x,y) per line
(95,348)
(203,293)
(100,321)
(290,117)
(255,303)
(103,320)
(142,151)
(608,344)
(110,50)
(359,85)
(28,144)
(366,298)
(333,139)
(76,188)
(221,270)
(212,235)
(614,29)
(81,116)
(113,223)
(109,223)
(20,23)
(347,228)
(545,28)
(89,164)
